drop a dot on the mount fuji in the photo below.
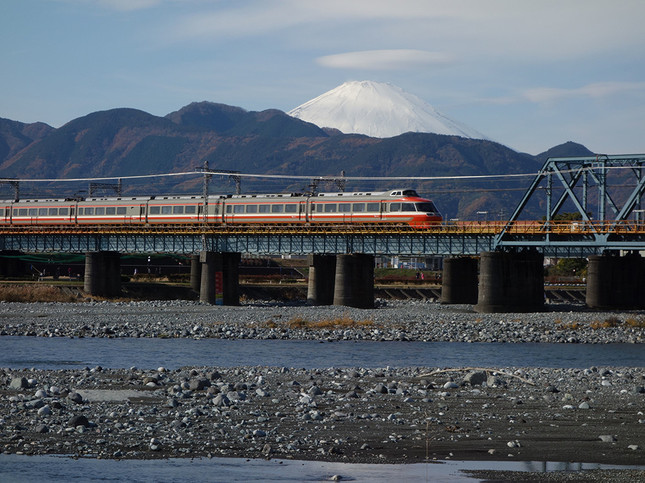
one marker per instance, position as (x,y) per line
(378,110)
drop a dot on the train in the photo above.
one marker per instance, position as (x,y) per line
(399,206)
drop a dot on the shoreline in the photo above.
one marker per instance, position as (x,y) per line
(359,415)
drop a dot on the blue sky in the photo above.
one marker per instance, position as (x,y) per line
(528,74)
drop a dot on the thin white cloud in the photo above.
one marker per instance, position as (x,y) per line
(394,59)
(596,90)
(549,95)
(121,5)
(549,29)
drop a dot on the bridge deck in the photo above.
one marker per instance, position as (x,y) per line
(571,238)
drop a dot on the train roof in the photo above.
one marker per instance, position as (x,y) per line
(393,192)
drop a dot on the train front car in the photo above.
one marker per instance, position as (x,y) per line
(406,206)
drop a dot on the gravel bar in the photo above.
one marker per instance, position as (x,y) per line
(391,320)
(360,415)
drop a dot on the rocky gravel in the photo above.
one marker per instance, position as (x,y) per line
(385,415)
(391,320)
(350,414)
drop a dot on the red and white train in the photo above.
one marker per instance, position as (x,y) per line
(394,206)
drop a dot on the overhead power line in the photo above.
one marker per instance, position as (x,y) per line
(308,177)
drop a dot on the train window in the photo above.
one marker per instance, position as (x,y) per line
(395,207)
(264,208)
(358,207)
(22,211)
(344,207)
(15,212)
(319,208)
(216,210)
(229,209)
(100,210)
(52,212)
(120,210)
(42,211)
(291,208)
(177,210)
(110,210)
(277,208)
(63,211)
(190,210)
(80,211)
(238,208)
(89,211)
(407,207)
(166,210)
(155,210)
(373,207)
(252,209)
(33,212)
(428,207)
(330,207)
(410,193)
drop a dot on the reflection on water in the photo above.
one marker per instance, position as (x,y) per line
(18,468)
(63,353)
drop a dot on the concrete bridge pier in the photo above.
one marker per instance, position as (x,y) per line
(102,274)
(219,278)
(459,281)
(615,282)
(320,287)
(511,282)
(195,273)
(354,280)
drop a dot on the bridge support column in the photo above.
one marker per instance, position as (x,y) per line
(615,282)
(112,263)
(320,288)
(195,273)
(102,274)
(354,281)
(511,282)
(219,278)
(231,265)
(459,281)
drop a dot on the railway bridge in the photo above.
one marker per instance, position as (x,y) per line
(496,265)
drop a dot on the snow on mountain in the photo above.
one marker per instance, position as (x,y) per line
(378,110)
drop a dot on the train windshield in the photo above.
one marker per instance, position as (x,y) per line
(410,193)
(427,207)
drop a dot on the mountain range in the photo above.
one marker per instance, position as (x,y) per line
(126,142)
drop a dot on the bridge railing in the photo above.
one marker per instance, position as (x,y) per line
(525,227)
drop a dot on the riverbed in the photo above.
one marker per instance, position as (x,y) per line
(404,383)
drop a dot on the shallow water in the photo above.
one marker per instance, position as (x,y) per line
(17,468)
(146,353)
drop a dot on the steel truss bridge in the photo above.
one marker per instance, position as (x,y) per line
(600,183)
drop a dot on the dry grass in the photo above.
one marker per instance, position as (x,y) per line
(344,322)
(608,323)
(568,326)
(636,323)
(34,293)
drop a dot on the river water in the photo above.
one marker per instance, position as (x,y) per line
(148,353)
(54,469)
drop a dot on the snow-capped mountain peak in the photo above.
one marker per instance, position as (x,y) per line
(377,110)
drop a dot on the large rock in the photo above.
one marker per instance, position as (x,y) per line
(199,384)
(476,378)
(78,420)
(19,383)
